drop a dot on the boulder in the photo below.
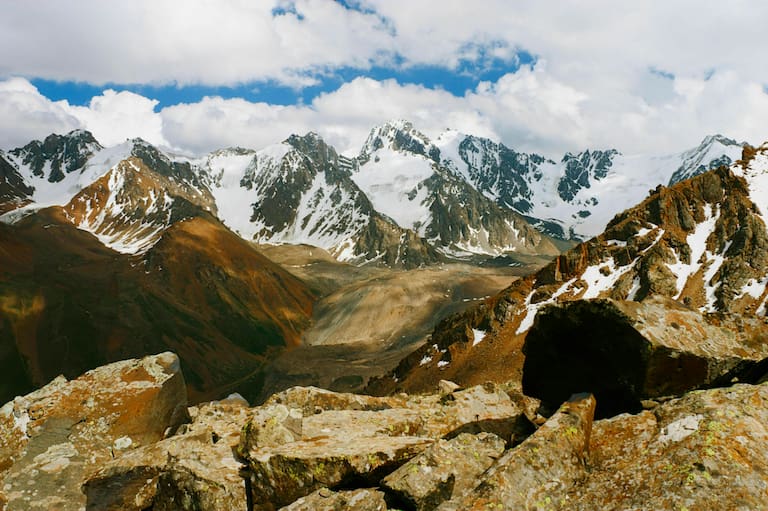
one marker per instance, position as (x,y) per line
(706,450)
(444,470)
(196,469)
(539,472)
(374,436)
(53,439)
(327,500)
(624,352)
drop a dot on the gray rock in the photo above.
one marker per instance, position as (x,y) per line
(445,470)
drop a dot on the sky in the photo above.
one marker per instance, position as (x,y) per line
(538,75)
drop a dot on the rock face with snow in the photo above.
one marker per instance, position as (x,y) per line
(404,174)
(301,191)
(702,242)
(578,195)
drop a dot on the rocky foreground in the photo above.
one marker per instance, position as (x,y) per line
(121,437)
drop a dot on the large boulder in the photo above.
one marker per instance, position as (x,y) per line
(445,470)
(706,450)
(539,472)
(195,469)
(343,438)
(52,440)
(624,352)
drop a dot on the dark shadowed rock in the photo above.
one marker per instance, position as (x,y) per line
(445,470)
(625,352)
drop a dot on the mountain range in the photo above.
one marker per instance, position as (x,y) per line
(114,252)
(700,244)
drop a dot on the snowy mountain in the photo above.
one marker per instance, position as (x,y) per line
(301,191)
(404,200)
(402,173)
(701,242)
(578,195)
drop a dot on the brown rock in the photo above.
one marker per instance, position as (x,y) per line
(326,500)
(193,470)
(625,352)
(53,439)
(705,450)
(539,472)
(445,470)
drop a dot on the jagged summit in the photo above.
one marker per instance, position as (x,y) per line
(714,151)
(459,194)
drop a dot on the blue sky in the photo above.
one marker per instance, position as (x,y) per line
(542,76)
(456,80)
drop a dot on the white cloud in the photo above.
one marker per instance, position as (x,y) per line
(113,117)
(25,114)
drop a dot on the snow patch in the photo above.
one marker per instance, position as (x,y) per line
(477,336)
(680,429)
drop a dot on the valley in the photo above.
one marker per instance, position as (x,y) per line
(368,318)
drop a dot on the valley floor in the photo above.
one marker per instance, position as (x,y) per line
(368,318)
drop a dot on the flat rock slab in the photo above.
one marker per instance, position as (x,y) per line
(327,500)
(53,439)
(445,470)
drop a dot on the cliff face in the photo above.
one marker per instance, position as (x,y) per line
(701,242)
(121,437)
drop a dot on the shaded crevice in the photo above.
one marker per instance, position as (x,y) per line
(587,347)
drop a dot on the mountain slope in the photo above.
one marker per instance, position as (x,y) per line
(69,303)
(702,242)
(300,191)
(402,173)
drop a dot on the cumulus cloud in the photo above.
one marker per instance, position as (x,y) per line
(114,116)
(645,76)
(25,114)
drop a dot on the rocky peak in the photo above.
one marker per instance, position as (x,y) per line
(401,136)
(583,168)
(713,152)
(58,154)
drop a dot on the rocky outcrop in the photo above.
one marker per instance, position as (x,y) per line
(541,470)
(54,439)
(121,438)
(702,242)
(195,469)
(706,450)
(343,439)
(444,470)
(625,352)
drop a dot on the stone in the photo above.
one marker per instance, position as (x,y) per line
(444,470)
(326,500)
(705,450)
(195,469)
(446,387)
(626,352)
(538,473)
(366,441)
(53,439)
